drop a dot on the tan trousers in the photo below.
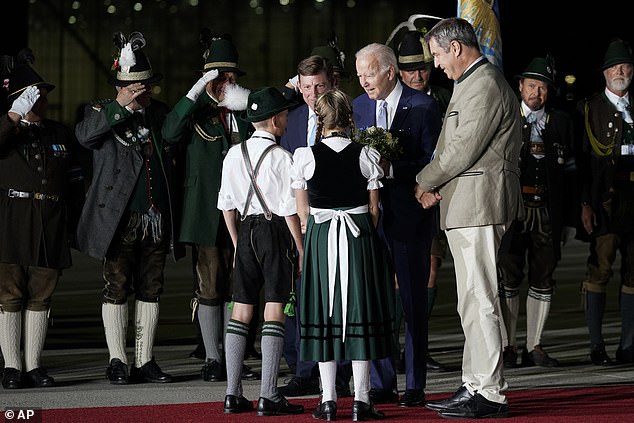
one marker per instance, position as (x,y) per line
(474,250)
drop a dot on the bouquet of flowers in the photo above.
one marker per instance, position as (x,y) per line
(381,140)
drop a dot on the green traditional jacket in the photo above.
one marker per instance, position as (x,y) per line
(197,126)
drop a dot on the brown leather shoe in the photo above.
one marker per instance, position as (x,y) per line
(538,357)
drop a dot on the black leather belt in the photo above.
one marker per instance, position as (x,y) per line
(14,193)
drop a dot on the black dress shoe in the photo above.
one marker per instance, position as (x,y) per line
(248,374)
(412,398)
(362,412)
(150,372)
(434,366)
(383,396)
(625,355)
(509,357)
(237,404)
(12,378)
(477,407)
(538,357)
(117,372)
(266,407)
(300,386)
(599,357)
(326,411)
(38,378)
(199,352)
(213,371)
(461,396)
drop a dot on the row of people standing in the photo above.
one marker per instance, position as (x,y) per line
(148,221)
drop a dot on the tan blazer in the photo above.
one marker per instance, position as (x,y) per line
(475,167)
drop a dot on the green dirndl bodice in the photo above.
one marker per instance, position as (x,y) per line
(370,296)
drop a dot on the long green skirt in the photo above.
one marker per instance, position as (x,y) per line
(370,297)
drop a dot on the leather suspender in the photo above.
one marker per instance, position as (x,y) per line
(253,173)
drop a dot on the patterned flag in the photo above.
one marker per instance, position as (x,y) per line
(484,15)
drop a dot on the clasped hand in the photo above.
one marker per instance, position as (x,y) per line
(427,199)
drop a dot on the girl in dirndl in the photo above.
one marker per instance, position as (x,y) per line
(347,286)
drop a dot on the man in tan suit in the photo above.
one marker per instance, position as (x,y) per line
(475,177)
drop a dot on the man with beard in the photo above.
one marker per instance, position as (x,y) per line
(204,120)
(546,168)
(127,219)
(607,198)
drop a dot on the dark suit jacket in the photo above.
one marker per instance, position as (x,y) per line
(416,124)
(295,134)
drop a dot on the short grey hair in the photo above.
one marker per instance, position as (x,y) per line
(384,55)
(453,29)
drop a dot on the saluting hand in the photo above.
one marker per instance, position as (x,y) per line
(127,95)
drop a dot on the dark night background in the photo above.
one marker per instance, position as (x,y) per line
(271,41)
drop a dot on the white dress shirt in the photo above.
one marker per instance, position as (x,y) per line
(273,179)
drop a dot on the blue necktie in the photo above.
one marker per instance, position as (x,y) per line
(381,120)
(312,129)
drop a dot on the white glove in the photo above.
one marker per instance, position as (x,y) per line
(294,81)
(24,103)
(200,85)
(567,233)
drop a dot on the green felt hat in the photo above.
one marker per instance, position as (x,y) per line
(265,102)
(618,52)
(413,52)
(223,56)
(539,68)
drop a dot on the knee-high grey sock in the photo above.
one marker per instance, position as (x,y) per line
(328,376)
(537,309)
(510,305)
(210,320)
(35,325)
(361,376)
(236,340)
(272,344)
(627,320)
(595,306)
(10,338)
(115,325)
(146,321)
(227,316)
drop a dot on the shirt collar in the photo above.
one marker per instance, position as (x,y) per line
(393,98)
(615,98)
(526,111)
(263,134)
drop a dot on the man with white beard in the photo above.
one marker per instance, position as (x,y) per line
(205,121)
(606,168)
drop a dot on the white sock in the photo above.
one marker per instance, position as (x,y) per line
(537,309)
(35,325)
(115,325)
(10,337)
(146,319)
(510,305)
(328,375)
(361,378)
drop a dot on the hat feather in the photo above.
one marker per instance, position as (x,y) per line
(7,63)
(136,40)
(25,56)
(118,39)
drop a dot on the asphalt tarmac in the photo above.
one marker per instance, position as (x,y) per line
(76,356)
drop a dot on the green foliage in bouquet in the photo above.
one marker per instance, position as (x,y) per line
(381,140)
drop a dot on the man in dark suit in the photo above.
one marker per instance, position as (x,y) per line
(414,118)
